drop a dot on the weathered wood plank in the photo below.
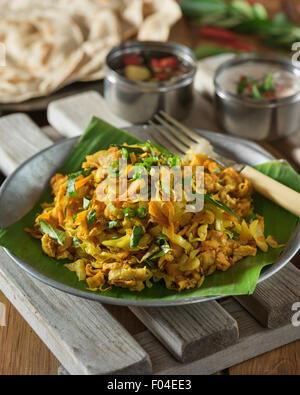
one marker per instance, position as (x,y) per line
(190,332)
(272,300)
(71,115)
(20,138)
(68,325)
(254,340)
(83,336)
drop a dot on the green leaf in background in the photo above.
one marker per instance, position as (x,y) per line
(240,279)
(204,51)
(243,17)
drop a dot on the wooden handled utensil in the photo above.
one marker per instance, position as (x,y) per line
(178,139)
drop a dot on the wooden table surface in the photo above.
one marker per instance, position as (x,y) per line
(22,352)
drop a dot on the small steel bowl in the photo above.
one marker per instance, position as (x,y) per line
(137,102)
(266,119)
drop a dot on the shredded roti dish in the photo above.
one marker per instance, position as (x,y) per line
(135,240)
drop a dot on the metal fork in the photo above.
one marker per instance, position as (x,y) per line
(177,138)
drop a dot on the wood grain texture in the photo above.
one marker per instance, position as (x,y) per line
(254,340)
(272,300)
(82,334)
(70,116)
(21,350)
(190,332)
(282,361)
(20,138)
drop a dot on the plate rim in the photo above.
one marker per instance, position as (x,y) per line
(291,249)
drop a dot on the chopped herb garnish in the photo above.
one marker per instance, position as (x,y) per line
(235,235)
(114,169)
(209,199)
(251,217)
(129,212)
(135,150)
(55,234)
(268,83)
(112,224)
(137,234)
(217,171)
(76,242)
(164,248)
(91,218)
(176,161)
(71,191)
(220,182)
(125,153)
(255,92)
(142,212)
(139,169)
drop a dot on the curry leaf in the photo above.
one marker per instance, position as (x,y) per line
(209,199)
(137,234)
(55,234)
(91,218)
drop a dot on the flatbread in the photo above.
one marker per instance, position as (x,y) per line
(51,43)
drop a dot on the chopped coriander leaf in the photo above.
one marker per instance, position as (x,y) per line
(55,234)
(74,217)
(112,224)
(255,92)
(142,212)
(129,212)
(251,217)
(217,171)
(176,161)
(91,218)
(139,169)
(268,82)
(220,182)
(125,153)
(235,235)
(76,242)
(114,168)
(164,248)
(137,234)
(135,150)
(71,191)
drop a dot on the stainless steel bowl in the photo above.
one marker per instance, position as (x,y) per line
(261,119)
(137,102)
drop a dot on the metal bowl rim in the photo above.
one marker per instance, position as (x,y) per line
(247,102)
(293,246)
(169,47)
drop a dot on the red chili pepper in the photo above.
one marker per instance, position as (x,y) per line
(238,45)
(218,33)
(155,64)
(169,62)
(132,60)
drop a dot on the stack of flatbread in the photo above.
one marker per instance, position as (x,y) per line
(51,43)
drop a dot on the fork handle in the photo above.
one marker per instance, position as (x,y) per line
(273,190)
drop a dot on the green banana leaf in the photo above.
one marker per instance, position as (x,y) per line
(240,279)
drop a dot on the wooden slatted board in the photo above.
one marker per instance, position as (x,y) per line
(87,339)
